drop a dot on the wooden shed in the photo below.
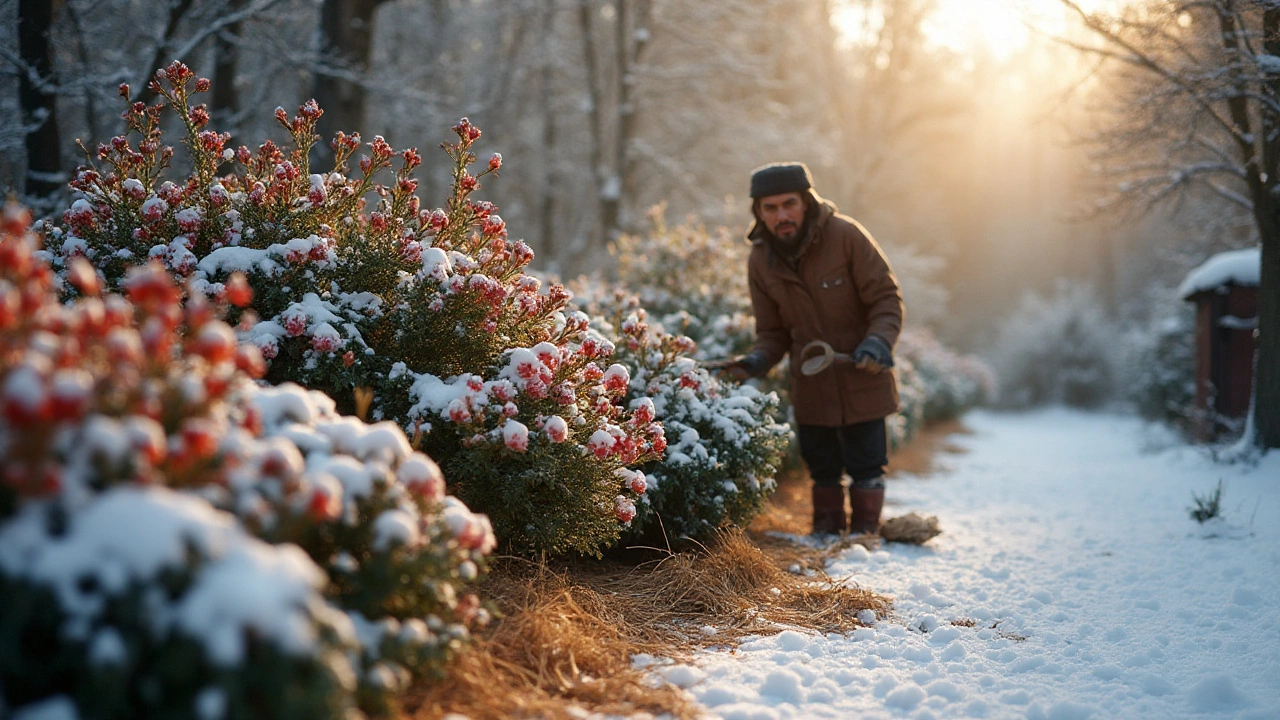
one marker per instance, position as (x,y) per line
(1225,291)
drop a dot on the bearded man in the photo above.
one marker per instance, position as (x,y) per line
(817,275)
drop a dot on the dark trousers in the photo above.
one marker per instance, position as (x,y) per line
(862,450)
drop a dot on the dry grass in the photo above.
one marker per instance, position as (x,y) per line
(568,632)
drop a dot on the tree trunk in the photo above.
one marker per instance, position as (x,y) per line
(1266,382)
(1266,406)
(631,37)
(346,31)
(225,102)
(594,113)
(39,104)
(550,177)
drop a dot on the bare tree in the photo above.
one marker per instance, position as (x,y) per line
(1201,81)
(346,32)
(39,98)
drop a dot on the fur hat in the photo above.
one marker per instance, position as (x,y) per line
(779,178)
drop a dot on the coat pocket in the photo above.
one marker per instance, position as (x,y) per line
(834,281)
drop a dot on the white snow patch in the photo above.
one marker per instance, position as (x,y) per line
(1239,267)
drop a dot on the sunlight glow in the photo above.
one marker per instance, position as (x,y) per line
(994,28)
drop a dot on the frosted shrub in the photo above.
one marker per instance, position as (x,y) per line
(422,317)
(951,383)
(692,281)
(913,399)
(724,441)
(177,541)
(1160,374)
(1060,349)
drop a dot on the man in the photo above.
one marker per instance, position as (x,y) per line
(818,275)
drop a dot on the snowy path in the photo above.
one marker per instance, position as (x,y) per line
(1069,530)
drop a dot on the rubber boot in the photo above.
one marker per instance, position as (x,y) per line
(828,509)
(865,505)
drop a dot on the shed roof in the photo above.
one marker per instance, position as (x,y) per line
(1234,267)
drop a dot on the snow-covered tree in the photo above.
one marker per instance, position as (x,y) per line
(1198,111)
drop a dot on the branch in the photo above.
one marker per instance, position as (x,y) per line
(1140,59)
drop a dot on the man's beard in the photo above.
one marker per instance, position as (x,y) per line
(787,232)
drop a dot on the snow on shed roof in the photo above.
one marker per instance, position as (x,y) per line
(1239,267)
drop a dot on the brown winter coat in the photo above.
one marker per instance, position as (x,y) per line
(843,291)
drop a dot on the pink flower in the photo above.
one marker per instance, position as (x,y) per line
(557,429)
(269,348)
(294,324)
(536,388)
(134,189)
(466,131)
(493,226)
(515,435)
(644,412)
(153,210)
(421,475)
(601,443)
(616,378)
(495,162)
(564,394)
(317,194)
(323,507)
(624,510)
(188,220)
(458,411)
(324,343)
(527,369)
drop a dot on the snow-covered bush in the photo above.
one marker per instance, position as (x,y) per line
(952,383)
(912,400)
(724,441)
(1059,349)
(1160,374)
(693,281)
(424,317)
(176,541)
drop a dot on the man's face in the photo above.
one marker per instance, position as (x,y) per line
(782,214)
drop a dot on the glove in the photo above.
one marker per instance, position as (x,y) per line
(873,355)
(748,366)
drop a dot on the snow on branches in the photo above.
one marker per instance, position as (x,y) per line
(360,291)
(155,503)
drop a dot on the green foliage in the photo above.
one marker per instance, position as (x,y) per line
(361,292)
(168,674)
(1207,506)
(725,442)
(1163,371)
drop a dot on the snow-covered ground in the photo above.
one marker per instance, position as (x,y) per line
(1092,593)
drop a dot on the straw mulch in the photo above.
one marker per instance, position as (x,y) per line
(567,632)
(568,629)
